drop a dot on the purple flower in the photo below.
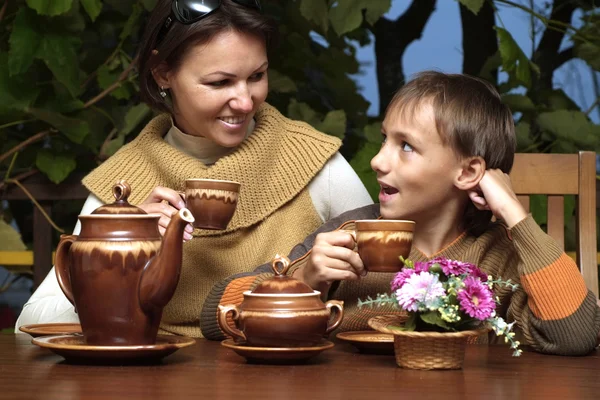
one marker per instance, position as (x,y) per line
(401,277)
(477,273)
(420,290)
(476,299)
(422,266)
(453,267)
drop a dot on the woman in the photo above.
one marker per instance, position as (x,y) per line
(207,70)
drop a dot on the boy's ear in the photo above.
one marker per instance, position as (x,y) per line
(160,73)
(471,172)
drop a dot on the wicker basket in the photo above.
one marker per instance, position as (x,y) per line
(426,350)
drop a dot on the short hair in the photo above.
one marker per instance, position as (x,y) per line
(470,117)
(179,38)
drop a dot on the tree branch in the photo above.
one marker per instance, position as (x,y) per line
(564,56)
(391,41)
(114,86)
(546,55)
(25,143)
(479,39)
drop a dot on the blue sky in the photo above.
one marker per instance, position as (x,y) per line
(440,48)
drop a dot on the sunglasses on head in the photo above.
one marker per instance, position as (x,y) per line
(189,11)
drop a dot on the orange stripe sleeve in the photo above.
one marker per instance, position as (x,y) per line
(555,291)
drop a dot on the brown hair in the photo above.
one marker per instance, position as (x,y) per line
(470,117)
(179,38)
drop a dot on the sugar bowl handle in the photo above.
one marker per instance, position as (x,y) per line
(237,335)
(339,315)
(62,265)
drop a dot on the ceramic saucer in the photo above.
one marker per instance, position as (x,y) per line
(74,349)
(36,330)
(369,341)
(277,355)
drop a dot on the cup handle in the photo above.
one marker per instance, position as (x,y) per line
(333,323)
(234,332)
(62,265)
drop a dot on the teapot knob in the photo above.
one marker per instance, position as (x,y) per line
(121,191)
(280,262)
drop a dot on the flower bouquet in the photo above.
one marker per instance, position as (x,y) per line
(446,302)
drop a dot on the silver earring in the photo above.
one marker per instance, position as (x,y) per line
(162,92)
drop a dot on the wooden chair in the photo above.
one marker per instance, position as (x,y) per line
(557,175)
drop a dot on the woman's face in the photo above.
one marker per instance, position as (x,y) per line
(218,87)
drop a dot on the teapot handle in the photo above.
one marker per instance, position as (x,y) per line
(62,265)
(234,332)
(333,323)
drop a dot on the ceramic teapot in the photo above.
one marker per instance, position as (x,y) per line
(118,273)
(281,312)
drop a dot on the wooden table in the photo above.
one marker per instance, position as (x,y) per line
(207,370)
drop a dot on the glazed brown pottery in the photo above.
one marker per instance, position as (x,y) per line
(277,355)
(212,202)
(36,330)
(117,272)
(281,312)
(381,242)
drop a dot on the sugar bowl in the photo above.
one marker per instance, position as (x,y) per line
(281,312)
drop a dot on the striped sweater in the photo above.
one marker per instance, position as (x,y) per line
(554,311)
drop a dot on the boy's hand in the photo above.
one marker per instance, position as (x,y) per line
(495,193)
(331,259)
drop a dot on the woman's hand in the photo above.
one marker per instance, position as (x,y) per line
(495,193)
(332,259)
(166,202)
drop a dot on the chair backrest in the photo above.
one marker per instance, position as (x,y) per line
(557,175)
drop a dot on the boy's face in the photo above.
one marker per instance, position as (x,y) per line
(415,170)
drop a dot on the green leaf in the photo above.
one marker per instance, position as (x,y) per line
(131,23)
(149,4)
(24,41)
(590,53)
(376,8)
(524,141)
(316,11)
(518,102)
(538,206)
(134,117)
(473,5)
(280,83)
(434,318)
(10,239)
(373,133)
(50,7)
(56,167)
(18,92)
(334,123)
(114,145)
(58,52)
(346,15)
(514,60)
(76,130)
(571,126)
(361,163)
(302,112)
(92,7)
(107,78)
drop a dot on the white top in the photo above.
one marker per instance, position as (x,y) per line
(334,190)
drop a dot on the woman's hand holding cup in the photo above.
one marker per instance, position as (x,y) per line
(166,202)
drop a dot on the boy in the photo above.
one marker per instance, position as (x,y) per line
(448,145)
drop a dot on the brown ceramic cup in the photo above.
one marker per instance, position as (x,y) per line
(212,202)
(381,242)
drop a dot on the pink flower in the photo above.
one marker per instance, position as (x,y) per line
(453,267)
(476,299)
(401,277)
(422,266)
(477,273)
(420,290)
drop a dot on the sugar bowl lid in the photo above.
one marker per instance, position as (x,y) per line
(121,192)
(281,283)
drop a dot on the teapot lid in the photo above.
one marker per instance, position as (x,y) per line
(281,283)
(121,191)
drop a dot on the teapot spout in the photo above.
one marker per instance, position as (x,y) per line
(161,274)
